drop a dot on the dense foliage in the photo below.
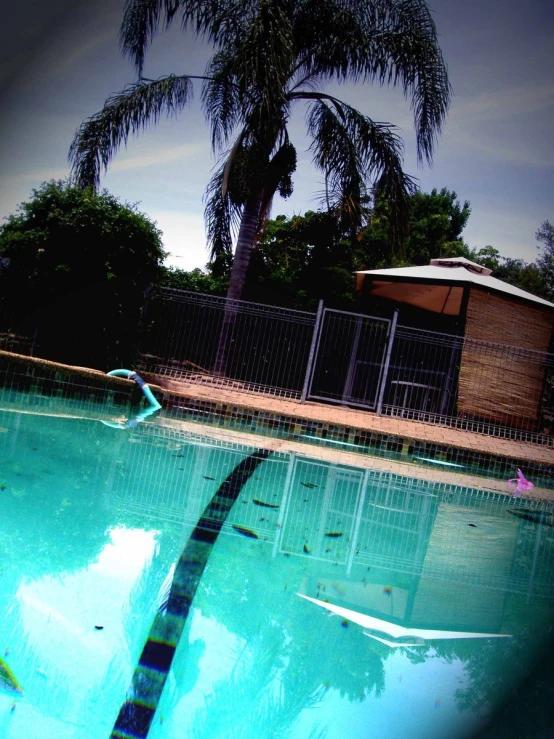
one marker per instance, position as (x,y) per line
(302,259)
(79,264)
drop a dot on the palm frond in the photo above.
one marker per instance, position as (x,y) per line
(128,112)
(141,20)
(221,216)
(413,59)
(221,98)
(392,42)
(353,151)
(215,20)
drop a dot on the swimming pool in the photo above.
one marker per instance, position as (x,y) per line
(94,521)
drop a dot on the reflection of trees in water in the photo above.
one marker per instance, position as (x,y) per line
(53,515)
(291,654)
(499,672)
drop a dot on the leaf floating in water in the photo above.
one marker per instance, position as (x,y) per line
(207,477)
(98,628)
(310,485)
(8,681)
(333,534)
(308,551)
(265,505)
(473,525)
(246,532)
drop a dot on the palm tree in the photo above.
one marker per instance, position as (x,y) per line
(268,55)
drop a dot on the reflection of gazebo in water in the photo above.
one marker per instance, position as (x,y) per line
(499,384)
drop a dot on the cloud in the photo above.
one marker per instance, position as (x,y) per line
(512,101)
(510,126)
(160,156)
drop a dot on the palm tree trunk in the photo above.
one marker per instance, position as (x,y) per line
(239,270)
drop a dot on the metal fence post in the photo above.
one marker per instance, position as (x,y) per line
(351,374)
(387,363)
(311,357)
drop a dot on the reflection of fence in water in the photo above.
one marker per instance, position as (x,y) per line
(376,519)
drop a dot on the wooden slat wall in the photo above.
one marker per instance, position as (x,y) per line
(494,384)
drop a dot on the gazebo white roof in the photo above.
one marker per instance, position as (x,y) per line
(458,270)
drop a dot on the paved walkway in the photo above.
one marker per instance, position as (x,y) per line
(365,420)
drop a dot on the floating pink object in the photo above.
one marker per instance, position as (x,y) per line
(519,484)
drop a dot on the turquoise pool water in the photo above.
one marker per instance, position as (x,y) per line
(94,520)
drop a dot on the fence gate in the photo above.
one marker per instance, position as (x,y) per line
(350,359)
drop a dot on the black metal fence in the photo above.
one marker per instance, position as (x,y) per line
(343,358)
(353,360)
(267,350)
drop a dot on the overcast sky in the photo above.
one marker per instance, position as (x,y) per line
(59,61)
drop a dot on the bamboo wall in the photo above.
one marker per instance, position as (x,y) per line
(496,384)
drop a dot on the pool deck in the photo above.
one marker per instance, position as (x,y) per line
(358,419)
(241,407)
(408,431)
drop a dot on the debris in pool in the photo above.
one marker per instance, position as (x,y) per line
(12,707)
(387,590)
(2,487)
(333,534)
(519,484)
(265,505)
(98,628)
(8,680)
(327,550)
(246,532)
(344,623)
(207,477)
(310,485)
(473,525)
(308,551)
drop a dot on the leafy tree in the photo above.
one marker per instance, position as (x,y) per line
(196,281)
(301,260)
(80,262)
(526,276)
(269,54)
(436,222)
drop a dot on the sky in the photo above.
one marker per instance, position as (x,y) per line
(60,60)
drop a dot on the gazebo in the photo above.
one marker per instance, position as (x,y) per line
(486,310)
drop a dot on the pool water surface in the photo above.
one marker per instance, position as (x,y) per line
(94,520)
